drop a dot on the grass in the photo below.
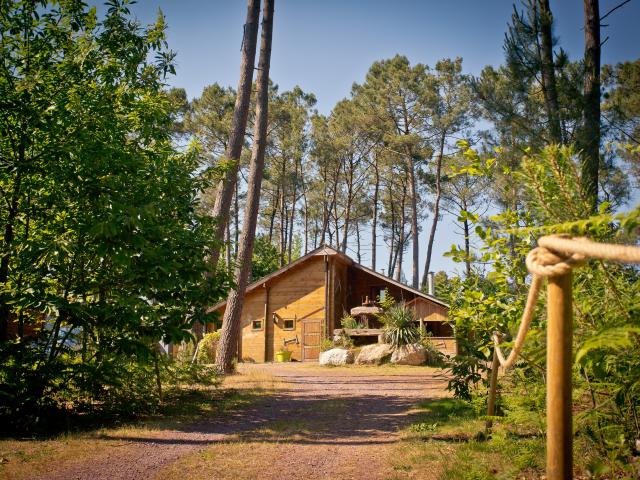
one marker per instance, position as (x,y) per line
(27,457)
(448,430)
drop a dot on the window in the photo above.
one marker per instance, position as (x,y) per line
(377,294)
(289,324)
(256,325)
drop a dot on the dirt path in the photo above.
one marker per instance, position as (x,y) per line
(319,423)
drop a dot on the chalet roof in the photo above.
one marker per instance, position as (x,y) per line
(325,250)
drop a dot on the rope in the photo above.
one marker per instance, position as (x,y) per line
(558,255)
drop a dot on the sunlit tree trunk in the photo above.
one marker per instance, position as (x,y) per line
(226,186)
(294,200)
(436,211)
(236,219)
(230,333)
(374,218)
(401,238)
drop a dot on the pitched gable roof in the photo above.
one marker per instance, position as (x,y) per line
(325,250)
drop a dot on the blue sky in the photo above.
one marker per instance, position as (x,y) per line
(325,45)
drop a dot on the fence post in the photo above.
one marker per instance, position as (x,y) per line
(493,387)
(559,360)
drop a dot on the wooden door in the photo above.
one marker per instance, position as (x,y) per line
(311,335)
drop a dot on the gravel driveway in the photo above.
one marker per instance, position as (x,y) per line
(340,423)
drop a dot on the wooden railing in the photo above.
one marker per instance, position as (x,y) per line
(555,258)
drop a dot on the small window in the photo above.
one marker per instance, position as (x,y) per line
(256,325)
(289,324)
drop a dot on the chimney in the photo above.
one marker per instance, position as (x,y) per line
(430,284)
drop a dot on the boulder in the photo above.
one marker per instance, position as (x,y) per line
(374,354)
(414,354)
(336,356)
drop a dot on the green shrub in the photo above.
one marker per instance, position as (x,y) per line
(387,302)
(435,358)
(349,322)
(344,341)
(207,348)
(399,326)
(326,344)
(186,350)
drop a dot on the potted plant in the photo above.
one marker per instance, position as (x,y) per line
(283,355)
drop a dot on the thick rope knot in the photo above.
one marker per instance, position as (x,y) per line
(558,255)
(547,263)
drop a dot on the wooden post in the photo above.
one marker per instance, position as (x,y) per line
(493,387)
(559,360)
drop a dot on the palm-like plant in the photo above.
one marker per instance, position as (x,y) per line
(399,326)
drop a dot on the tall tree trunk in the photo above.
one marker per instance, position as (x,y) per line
(5,308)
(306,211)
(306,222)
(590,135)
(226,186)
(358,242)
(347,215)
(467,247)
(374,218)
(236,218)
(227,241)
(548,72)
(294,200)
(436,212)
(401,238)
(393,235)
(413,194)
(283,222)
(274,208)
(231,323)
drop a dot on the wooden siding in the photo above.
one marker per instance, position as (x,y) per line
(446,345)
(298,295)
(340,288)
(428,311)
(361,284)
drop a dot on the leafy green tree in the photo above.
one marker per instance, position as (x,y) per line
(621,112)
(397,93)
(103,252)
(451,112)
(266,258)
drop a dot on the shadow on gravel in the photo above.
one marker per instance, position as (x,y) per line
(307,420)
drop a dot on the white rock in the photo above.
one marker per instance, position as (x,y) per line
(336,356)
(374,354)
(414,354)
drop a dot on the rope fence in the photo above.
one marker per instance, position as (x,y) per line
(554,258)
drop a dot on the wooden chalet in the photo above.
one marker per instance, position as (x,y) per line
(303,302)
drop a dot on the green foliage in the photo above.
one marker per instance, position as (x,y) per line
(326,344)
(606,309)
(344,341)
(266,258)
(399,326)
(386,301)
(349,322)
(104,251)
(207,348)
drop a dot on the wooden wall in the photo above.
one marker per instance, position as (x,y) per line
(340,288)
(361,283)
(297,294)
(428,311)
